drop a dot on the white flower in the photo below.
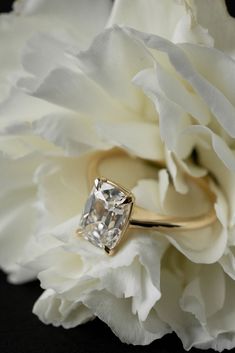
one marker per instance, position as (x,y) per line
(21,153)
(161,90)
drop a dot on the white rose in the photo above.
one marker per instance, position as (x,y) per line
(159,100)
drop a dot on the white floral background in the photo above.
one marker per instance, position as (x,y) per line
(157,79)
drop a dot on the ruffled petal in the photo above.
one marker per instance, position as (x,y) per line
(68,89)
(150,18)
(205,294)
(179,27)
(139,138)
(204,246)
(17,208)
(74,134)
(112,61)
(220,24)
(52,309)
(117,313)
(217,101)
(83,19)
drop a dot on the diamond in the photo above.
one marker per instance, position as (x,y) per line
(106,214)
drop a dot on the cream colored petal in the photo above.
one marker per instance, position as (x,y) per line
(62,189)
(69,89)
(74,134)
(220,24)
(186,326)
(175,172)
(204,296)
(220,106)
(66,22)
(141,139)
(172,118)
(189,31)
(18,216)
(43,52)
(227,262)
(112,60)
(51,309)
(134,271)
(82,19)
(19,107)
(136,275)
(118,315)
(178,168)
(214,65)
(200,246)
(174,89)
(226,155)
(158,17)
(148,194)
(224,177)
(221,325)
(11,46)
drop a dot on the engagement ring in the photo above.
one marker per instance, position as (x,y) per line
(111,209)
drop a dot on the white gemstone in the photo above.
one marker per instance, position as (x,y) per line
(106,214)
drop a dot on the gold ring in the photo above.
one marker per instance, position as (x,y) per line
(110,209)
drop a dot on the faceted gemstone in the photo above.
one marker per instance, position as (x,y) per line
(106,214)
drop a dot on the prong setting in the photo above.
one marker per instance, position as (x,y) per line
(106,214)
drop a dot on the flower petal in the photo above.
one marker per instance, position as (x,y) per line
(74,134)
(150,18)
(68,89)
(82,18)
(17,207)
(205,295)
(220,24)
(219,104)
(51,309)
(220,147)
(139,138)
(117,313)
(112,61)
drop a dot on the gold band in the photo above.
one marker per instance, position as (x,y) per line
(141,217)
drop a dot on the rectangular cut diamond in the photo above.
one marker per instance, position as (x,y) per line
(106,214)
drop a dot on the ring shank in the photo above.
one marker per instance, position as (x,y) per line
(146,219)
(143,218)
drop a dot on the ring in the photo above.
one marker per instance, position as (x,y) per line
(111,209)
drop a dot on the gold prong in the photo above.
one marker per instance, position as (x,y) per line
(96,182)
(108,251)
(128,199)
(79,232)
